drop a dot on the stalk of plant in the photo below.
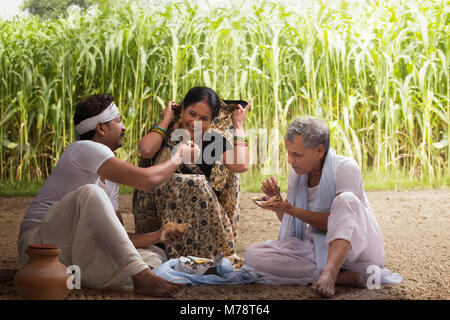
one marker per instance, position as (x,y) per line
(377,72)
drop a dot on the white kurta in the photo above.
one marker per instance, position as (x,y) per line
(84,226)
(292,261)
(75,213)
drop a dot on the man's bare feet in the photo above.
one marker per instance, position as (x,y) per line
(324,286)
(351,279)
(149,284)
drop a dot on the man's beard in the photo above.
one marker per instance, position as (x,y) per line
(119,141)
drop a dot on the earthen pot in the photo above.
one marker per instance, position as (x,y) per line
(43,277)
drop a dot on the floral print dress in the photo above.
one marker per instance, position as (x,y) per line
(207,197)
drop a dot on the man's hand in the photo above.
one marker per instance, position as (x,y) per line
(171,236)
(172,231)
(279,207)
(270,187)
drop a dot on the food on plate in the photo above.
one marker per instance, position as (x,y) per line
(265,201)
(196,265)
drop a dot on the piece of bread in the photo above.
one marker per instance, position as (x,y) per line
(172,226)
(264,201)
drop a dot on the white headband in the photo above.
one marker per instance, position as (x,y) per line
(110,113)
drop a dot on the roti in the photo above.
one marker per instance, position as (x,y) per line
(265,201)
(181,227)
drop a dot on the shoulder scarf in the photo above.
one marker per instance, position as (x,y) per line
(298,196)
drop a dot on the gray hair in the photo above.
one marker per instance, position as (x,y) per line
(313,130)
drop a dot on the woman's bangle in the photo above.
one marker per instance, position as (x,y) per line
(240,139)
(159,130)
(240,143)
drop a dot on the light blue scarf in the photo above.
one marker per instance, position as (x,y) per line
(298,197)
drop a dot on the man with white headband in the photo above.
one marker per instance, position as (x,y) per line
(77,207)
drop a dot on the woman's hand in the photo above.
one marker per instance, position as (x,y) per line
(239,115)
(168,113)
(270,187)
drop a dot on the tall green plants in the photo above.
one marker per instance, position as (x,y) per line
(376,71)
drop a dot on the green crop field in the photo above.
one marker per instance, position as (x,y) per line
(376,71)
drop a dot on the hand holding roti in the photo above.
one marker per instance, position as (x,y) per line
(270,187)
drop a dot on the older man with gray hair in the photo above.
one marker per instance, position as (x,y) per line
(342,243)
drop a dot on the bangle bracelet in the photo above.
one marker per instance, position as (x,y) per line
(161,129)
(158,130)
(241,139)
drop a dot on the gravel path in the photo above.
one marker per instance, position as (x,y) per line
(415,225)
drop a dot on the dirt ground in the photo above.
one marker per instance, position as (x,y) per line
(415,227)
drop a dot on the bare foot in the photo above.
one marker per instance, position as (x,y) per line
(351,279)
(324,286)
(149,284)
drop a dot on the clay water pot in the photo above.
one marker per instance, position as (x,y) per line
(43,277)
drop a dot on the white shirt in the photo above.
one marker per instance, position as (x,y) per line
(112,190)
(313,197)
(348,179)
(77,166)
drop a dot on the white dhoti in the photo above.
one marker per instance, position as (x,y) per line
(292,261)
(83,224)
(280,262)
